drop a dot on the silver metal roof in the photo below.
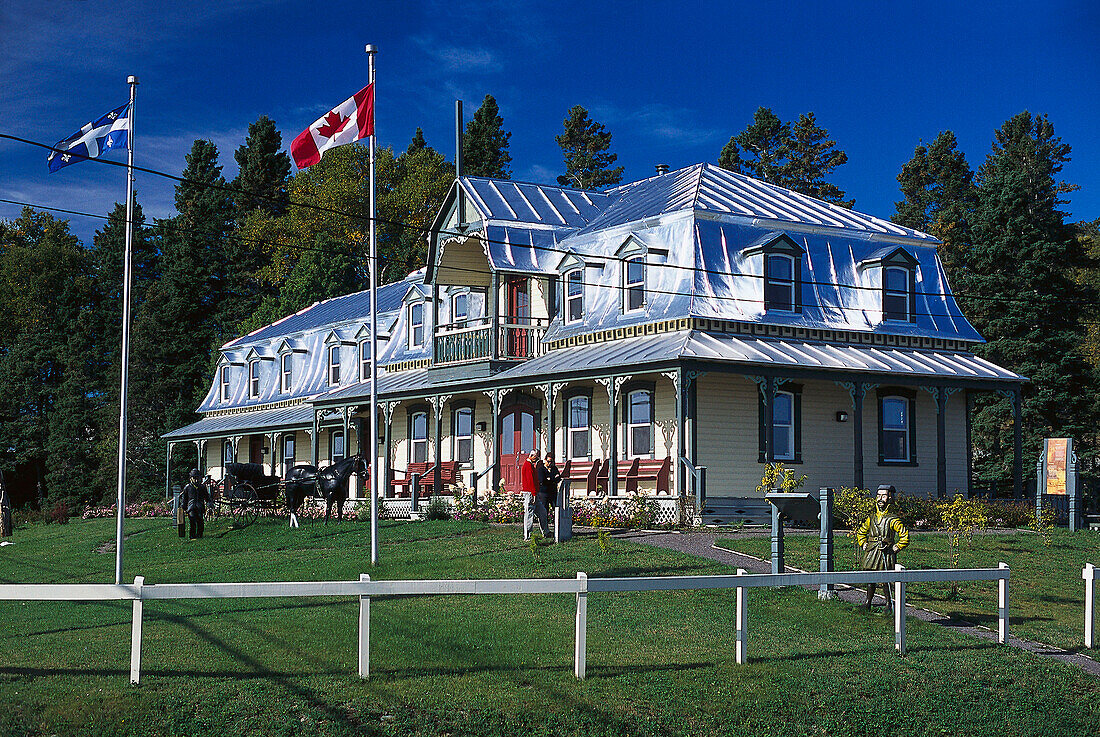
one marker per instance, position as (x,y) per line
(298,416)
(505,200)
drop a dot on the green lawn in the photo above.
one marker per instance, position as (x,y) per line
(1046,592)
(658,663)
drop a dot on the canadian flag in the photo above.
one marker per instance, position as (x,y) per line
(347,122)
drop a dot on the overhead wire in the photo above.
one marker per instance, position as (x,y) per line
(428,231)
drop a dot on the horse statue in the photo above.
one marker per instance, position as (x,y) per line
(330,482)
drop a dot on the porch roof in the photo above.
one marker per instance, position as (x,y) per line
(288,418)
(664,351)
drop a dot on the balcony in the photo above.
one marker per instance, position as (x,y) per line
(517,340)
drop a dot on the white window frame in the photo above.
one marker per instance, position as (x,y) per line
(631,286)
(223,374)
(334,436)
(414,326)
(905,431)
(415,441)
(289,441)
(568,299)
(575,431)
(631,425)
(364,360)
(228,453)
(334,364)
(791,283)
(286,372)
(465,316)
(905,294)
(456,454)
(788,430)
(254,378)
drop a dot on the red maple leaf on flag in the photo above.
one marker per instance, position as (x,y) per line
(334,123)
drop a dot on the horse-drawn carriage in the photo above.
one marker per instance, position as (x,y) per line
(245,490)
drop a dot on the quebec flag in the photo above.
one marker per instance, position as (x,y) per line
(106,134)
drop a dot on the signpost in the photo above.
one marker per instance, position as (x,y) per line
(1057,476)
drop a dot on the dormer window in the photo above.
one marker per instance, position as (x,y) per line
(254,378)
(416,325)
(224,374)
(574,296)
(634,285)
(897,288)
(364,360)
(460,308)
(779,283)
(333,365)
(286,372)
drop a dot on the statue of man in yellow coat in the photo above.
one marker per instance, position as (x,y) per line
(881,536)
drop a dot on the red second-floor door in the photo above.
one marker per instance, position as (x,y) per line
(517,316)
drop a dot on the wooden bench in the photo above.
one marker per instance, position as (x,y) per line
(582,472)
(650,469)
(623,470)
(406,483)
(448,476)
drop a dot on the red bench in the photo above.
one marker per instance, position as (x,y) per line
(650,469)
(623,471)
(418,468)
(448,476)
(582,471)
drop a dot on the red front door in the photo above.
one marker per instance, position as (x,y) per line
(517,439)
(517,317)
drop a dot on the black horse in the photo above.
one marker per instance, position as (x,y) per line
(331,482)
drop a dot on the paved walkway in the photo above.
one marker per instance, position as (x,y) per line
(702,544)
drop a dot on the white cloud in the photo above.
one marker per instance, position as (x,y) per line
(661,121)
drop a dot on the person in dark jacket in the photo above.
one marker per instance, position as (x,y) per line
(549,479)
(542,495)
(194,499)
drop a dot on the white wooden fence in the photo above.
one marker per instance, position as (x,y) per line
(581,587)
(1089,574)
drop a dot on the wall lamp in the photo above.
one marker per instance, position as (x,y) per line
(841,416)
(481,427)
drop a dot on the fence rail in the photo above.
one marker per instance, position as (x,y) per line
(581,587)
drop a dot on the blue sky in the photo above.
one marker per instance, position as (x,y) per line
(671,81)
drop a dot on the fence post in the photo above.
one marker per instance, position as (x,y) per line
(899,613)
(581,645)
(1089,574)
(742,620)
(135,634)
(364,630)
(1002,606)
(414,492)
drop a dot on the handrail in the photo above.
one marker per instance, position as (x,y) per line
(475,477)
(699,483)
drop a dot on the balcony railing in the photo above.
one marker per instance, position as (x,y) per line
(462,342)
(521,339)
(517,340)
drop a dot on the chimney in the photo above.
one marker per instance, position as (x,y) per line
(662,169)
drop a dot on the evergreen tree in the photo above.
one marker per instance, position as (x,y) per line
(46,416)
(1019,290)
(798,157)
(177,329)
(761,150)
(485,145)
(812,157)
(940,198)
(584,146)
(261,183)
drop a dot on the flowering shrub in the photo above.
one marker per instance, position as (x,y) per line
(637,511)
(136,509)
(777,476)
(498,507)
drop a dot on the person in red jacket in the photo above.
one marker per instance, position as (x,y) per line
(528,485)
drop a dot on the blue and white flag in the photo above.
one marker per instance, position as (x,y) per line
(106,134)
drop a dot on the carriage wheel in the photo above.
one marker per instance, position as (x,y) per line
(245,505)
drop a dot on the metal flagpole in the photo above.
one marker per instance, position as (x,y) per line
(371,50)
(124,388)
